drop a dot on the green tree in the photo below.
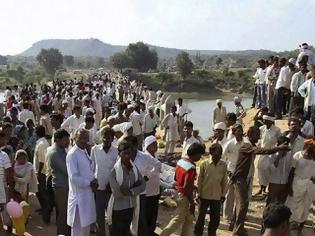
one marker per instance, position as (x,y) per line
(218,61)
(51,59)
(100,62)
(184,64)
(142,57)
(121,60)
(68,60)
(3,60)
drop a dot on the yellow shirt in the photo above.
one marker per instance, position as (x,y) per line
(212,180)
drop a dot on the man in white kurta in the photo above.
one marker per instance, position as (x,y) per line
(74,121)
(81,201)
(170,123)
(269,134)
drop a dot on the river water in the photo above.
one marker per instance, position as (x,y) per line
(201,115)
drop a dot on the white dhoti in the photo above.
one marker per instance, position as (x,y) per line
(77,230)
(263,170)
(302,199)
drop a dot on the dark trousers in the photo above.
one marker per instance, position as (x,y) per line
(41,193)
(241,205)
(296,102)
(101,200)
(152,212)
(61,201)
(50,196)
(280,102)
(142,225)
(214,223)
(255,96)
(121,222)
(277,193)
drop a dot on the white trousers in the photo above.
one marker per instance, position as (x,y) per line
(77,230)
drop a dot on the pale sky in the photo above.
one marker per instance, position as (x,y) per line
(188,24)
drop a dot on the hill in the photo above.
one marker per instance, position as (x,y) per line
(96,48)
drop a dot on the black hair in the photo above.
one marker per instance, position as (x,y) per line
(14,109)
(194,149)
(133,140)
(298,110)
(40,131)
(89,119)
(7,125)
(252,130)
(231,116)
(108,130)
(44,108)
(275,214)
(76,107)
(214,147)
(124,144)
(236,126)
(7,119)
(60,134)
(189,124)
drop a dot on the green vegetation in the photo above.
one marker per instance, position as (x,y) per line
(137,55)
(184,64)
(51,59)
(202,81)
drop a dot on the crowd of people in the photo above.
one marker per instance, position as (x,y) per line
(89,150)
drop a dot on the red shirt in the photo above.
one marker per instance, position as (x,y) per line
(185,175)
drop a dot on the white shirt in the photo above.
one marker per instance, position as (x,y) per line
(152,186)
(304,169)
(25,114)
(183,109)
(230,153)
(103,164)
(5,163)
(72,123)
(308,129)
(80,173)
(284,79)
(40,154)
(260,76)
(150,123)
(313,94)
(187,143)
(269,137)
(280,174)
(147,165)
(136,121)
(297,145)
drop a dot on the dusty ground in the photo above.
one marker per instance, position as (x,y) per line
(37,228)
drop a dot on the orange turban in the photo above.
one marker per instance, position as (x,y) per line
(310,142)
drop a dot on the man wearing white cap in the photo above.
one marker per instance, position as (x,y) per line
(152,190)
(219,113)
(269,134)
(135,119)
(150,122)
(219,134)
(305,52)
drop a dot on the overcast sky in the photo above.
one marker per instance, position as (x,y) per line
(187,24)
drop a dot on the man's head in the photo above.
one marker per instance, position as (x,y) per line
(62,138)
(77,111)
(262,63)
(294,125)
(230,119)
(121,108)
(89,122)
(108,137)
(3,139)
(238,132)
(180,101)
(283,61)
(81,137)
(195,151)
(44,109)
(173,109)
(253,134)
(313,72)
(269,119)
(13,112)
(215,151)
(150,144)
(188,128)
(219,102)
(40,131)
(219,130)
(131,143)
(276,220)
(56,120)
